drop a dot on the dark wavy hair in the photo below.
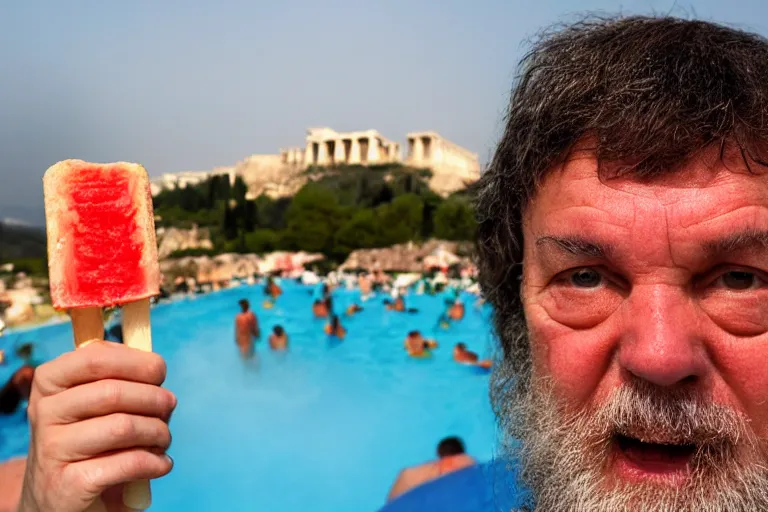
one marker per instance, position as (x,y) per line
(646,94)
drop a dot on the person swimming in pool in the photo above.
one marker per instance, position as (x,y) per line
(417,346)
(16,389)
(278,340)
(246,329)
(353,308)
(272,289)
(323,308)
(462,355)
(334,328)
(456,311)
(451,456)
(365,284)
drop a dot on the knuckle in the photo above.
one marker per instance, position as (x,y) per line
(139,462)
(87,480)
(50,448)
(111,393)
(93,361)
(40,410)
(122,426)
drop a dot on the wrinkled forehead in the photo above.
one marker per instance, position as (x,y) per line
(705,191)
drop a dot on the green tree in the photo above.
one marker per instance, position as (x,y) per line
(400,221)
(359,232)
(272,212)
(230,223)
(455,220)
(312,220)
(239,190)
(262,240)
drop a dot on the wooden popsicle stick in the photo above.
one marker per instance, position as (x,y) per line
(137,334)
(88,326)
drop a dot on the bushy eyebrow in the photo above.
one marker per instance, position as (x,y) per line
(577,246)
(747,240)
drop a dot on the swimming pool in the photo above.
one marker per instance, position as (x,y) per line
(324,427)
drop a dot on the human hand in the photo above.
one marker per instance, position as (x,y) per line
(98,419)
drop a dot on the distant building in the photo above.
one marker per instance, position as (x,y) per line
(452,166)
(328,147)
(279,175)
(184,179)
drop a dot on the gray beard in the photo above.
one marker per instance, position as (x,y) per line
(562,457)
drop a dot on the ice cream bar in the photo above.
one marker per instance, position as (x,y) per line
(101,234)
(102,252)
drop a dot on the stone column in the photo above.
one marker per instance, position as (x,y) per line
(354,152)
(322,154)
(308,154)
(418,150)
(373,150)
(338,151)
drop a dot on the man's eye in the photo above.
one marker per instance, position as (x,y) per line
(739,280)
(586,278)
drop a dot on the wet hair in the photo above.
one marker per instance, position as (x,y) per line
(24,351)
(10,394)
(462,346)
(278,330)
(335,321)
(450,446)
(644,95)
(413,333)
(244,305)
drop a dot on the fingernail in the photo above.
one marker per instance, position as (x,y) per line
(169,458)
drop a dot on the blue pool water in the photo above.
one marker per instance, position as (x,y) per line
(324,427)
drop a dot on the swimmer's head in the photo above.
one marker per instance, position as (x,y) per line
(278,330)
(450,446)
(22,379)
(461,346)
(244,305)
(24,351)
(414,334)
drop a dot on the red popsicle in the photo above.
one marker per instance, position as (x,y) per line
(102,252)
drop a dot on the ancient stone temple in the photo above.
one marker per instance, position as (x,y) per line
(327,147)
(453,167)
(279,175)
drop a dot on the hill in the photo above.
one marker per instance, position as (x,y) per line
(340,209)
(19,241)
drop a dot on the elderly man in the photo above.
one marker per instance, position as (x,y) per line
(624,246)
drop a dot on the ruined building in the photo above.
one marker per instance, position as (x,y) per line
(452,166)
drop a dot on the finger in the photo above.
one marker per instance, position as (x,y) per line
(96,436)
(107,397)
(92,477)
(97,361)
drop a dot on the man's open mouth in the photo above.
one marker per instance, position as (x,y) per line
(653,458)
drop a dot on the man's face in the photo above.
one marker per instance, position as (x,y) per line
(647,309)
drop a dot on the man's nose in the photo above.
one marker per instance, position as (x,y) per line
(661,343)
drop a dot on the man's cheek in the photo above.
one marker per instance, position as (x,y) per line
(579,361)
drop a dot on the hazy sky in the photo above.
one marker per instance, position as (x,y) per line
(183,85)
